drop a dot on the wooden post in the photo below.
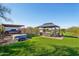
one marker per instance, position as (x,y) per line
(59,31)
(55,31)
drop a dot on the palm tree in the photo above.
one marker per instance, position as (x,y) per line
(3,11)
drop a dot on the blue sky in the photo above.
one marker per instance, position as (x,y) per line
(30,14)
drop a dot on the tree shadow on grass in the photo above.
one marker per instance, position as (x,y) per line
(65,51)
(30,49)
(13,49)
(61,51)
(5,51)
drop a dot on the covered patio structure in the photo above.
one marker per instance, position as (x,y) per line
(49,29)
(9,29)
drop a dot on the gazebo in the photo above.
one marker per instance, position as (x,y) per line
(49,29)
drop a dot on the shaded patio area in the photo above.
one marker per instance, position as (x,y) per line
(50,29)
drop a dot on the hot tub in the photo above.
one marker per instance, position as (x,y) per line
(19,37)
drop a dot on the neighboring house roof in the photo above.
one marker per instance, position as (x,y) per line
(11,25)
(48,25)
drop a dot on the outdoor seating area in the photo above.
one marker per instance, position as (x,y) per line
(50,29)
(11,33)
(39,29)
(9,29)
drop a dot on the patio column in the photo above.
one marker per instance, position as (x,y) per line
(41,31)
(59,31)
(54,31)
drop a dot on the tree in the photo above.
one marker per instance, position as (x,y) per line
(28,30)
(3,12)
(74,31)
(63,30)
(36,30)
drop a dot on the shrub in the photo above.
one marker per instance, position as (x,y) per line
(31,35)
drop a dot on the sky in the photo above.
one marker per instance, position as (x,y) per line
(34,14)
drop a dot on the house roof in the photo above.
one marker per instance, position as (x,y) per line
(48,25)
(11,25)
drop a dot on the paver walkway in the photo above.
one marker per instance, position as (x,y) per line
(6,40)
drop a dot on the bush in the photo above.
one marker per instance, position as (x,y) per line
(31,35)
(74,31)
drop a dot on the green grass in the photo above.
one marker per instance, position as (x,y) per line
(70,42)
(42,46)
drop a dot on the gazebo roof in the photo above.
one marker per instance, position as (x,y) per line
(48,25)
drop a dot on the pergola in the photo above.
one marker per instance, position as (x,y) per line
(7,27)
(54,29)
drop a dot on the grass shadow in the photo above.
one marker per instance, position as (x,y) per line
(65,51)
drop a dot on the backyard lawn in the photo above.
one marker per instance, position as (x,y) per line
(42,46)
